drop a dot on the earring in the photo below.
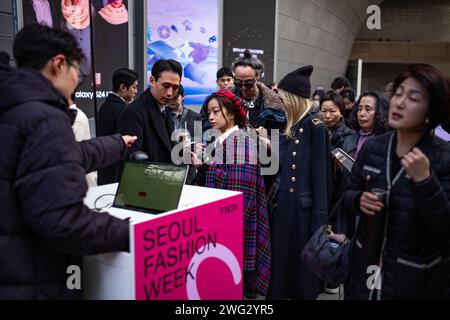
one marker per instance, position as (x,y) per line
(427,121)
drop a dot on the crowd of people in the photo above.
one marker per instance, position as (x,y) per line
(391,138)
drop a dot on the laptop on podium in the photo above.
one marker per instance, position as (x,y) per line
(150,187)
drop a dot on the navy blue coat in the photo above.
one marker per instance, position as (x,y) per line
(302,207)
(44,225)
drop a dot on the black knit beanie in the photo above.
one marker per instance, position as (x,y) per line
(297,82)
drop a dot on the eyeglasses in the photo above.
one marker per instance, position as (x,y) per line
(248,84)
(81,75)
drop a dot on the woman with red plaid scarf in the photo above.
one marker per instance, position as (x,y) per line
(234,166)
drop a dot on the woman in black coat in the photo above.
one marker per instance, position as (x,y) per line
(369,118)
(332,115)
(402,244)
(303,196)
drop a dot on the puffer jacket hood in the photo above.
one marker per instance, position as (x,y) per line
(19,86)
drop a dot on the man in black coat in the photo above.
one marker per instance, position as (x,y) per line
(147,116)
(125,82)
(185,120)
(44,226)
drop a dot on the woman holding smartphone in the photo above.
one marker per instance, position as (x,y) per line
(402,244)
(233,166)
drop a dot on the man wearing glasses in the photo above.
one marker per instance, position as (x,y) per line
(44,225)
(263,105)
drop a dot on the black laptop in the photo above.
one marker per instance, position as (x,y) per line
(150,187)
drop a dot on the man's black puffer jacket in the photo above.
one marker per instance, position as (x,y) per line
(44,225)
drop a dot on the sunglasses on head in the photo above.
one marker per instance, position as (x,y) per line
(248,84)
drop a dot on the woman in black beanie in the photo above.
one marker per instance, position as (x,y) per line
(301,201)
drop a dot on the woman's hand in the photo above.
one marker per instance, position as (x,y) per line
(369,203)
(129,140)
(262,135)
(416,165)
(196,162)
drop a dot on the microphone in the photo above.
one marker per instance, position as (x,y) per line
(139,156)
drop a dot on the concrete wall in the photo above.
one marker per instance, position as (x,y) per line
(318,32)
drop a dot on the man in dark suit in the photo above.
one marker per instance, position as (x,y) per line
(184,119)
(147,116)
(125,82)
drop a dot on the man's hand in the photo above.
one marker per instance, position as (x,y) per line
(416,165)
(369,204)
(129,140)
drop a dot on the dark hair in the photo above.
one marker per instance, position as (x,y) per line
(180,91)
(348,93)
(224,71)
(437,85)
(388,90)
(340,82)
(72,96)
(223,102)
(380,124)
(320,93)
(166,65)
(335,98)
(247,60)
(37,44)
(123,76)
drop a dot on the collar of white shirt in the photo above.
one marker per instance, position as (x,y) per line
(227,134)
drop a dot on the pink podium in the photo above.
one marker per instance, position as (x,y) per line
(192,253)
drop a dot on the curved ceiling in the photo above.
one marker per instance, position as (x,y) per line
(411,21)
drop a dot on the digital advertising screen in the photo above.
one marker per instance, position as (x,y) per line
(110,34)
(250,24)
(186,31)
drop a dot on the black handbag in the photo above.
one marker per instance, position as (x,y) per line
(328,259)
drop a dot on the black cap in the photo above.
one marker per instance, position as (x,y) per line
(297,81)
